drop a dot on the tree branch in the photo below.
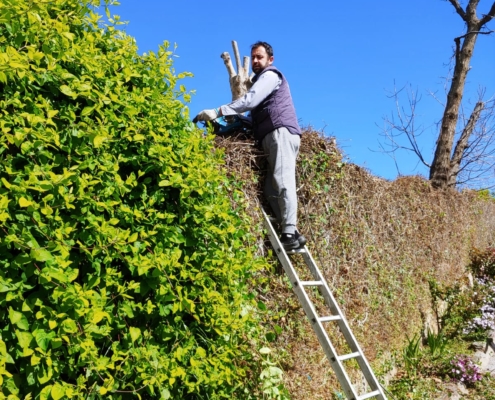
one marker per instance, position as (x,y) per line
(395,132)
(489,16)
(458,8)
(473,33)
(462,143)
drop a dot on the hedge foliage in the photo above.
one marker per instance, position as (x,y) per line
(122,269)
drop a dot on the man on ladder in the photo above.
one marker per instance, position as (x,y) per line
(275,126)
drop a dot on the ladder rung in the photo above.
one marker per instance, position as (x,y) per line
(300,250)
(311,283)
(331,318)
(368,395)
(350,355)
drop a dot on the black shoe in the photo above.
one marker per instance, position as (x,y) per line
(289,241)
(301,239)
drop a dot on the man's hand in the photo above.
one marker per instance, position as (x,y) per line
(206,115)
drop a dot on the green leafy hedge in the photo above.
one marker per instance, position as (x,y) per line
(122,263)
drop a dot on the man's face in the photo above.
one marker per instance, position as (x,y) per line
(260,59)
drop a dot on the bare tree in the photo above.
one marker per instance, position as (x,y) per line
(446,163)
(240,82)
(472,157)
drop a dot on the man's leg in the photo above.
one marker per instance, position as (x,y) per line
(271,194)
(280,185)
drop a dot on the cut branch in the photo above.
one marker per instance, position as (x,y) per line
(228,63)
(236,55)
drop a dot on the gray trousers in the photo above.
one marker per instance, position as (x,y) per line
(282,148)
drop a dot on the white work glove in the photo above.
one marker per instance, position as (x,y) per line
(206,115)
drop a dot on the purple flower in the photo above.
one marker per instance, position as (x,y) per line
(466,371)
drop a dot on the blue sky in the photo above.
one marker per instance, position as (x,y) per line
(341,59)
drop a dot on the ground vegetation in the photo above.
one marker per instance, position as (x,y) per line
(379,244)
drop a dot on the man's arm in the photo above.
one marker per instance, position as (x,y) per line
(262,88)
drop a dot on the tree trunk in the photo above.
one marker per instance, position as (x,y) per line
(440,169)
(445,166)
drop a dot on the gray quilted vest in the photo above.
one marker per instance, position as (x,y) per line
(276,111)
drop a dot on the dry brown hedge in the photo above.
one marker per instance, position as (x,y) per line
(378,242)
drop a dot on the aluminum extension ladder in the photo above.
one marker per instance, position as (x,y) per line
(317,321)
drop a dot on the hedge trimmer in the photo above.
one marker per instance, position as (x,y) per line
(231,124)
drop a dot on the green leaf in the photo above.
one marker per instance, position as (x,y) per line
(67,91)
(6,183)
(98,316)
(24,338)
(87,110)
(135,333)
(45,392)
(98,141)
(43,338)
(18,319)
(58,391)
(44,374)
(126,307)
(69,326)
(23,202)
(56,343)
(41,255)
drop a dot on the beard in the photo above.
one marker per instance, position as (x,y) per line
(257,69)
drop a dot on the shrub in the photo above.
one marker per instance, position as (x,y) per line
(122,263)
(483,293)
(483,263)
(484,322)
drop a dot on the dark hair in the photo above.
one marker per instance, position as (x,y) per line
(268,48)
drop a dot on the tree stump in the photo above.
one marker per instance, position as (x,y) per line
(240,82)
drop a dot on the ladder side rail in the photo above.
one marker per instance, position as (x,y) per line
(321,333)
(324,340)
(343,324)
(336,363)
(303,297)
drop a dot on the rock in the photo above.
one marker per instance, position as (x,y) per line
(462,389)
(442,307)
(430,323)
(484,356)
(454,391)
(470,279)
